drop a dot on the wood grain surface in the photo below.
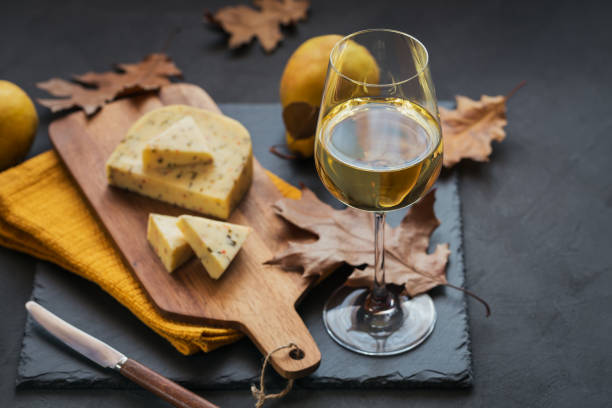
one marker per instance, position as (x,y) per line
(255,298)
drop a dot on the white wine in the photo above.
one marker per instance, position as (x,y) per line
(378,154)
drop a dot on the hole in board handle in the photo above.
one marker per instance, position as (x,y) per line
(296,354)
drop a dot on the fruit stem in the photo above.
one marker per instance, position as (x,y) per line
(274,150)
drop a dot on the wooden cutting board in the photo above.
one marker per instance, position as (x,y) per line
(252,297)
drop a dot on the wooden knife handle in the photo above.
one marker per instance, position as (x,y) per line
(163,387)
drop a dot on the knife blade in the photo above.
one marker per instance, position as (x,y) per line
(106,356)
(92,348)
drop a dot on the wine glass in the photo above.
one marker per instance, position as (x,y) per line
(378,148)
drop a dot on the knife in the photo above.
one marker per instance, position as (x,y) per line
(106,356)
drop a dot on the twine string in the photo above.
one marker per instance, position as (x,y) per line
(260,393)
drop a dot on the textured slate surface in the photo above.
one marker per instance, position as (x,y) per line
(444,360)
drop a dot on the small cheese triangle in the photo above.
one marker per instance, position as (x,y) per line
(183,143)
(216,243)
(167,241)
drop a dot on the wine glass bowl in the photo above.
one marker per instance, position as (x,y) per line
(378,147)
(378,154)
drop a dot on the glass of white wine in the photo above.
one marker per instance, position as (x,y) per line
(378,148)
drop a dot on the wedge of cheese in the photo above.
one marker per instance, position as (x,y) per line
(216,243)
(167,241)
(181,144)
(213,189)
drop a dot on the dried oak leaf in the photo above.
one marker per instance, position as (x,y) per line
(289,11)
(93,90)
(470,128)
(243,23)
(347,236)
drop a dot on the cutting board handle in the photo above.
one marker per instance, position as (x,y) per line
(279,328)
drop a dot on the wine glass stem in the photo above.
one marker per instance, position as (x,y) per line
(379,298)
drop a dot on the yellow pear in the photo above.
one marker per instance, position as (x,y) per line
(304,78)
(18,124)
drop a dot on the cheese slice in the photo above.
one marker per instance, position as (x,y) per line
(167,241)
(216,243)
(181,144)
(213,189)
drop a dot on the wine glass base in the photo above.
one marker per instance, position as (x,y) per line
(378,334)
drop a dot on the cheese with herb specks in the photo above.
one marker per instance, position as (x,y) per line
(213,189)
(181,144)
(216,243)
(167,241)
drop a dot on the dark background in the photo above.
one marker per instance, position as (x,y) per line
(537,218)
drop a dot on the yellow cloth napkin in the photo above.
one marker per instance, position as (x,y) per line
(42,213)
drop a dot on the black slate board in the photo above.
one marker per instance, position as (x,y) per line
(444,360)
